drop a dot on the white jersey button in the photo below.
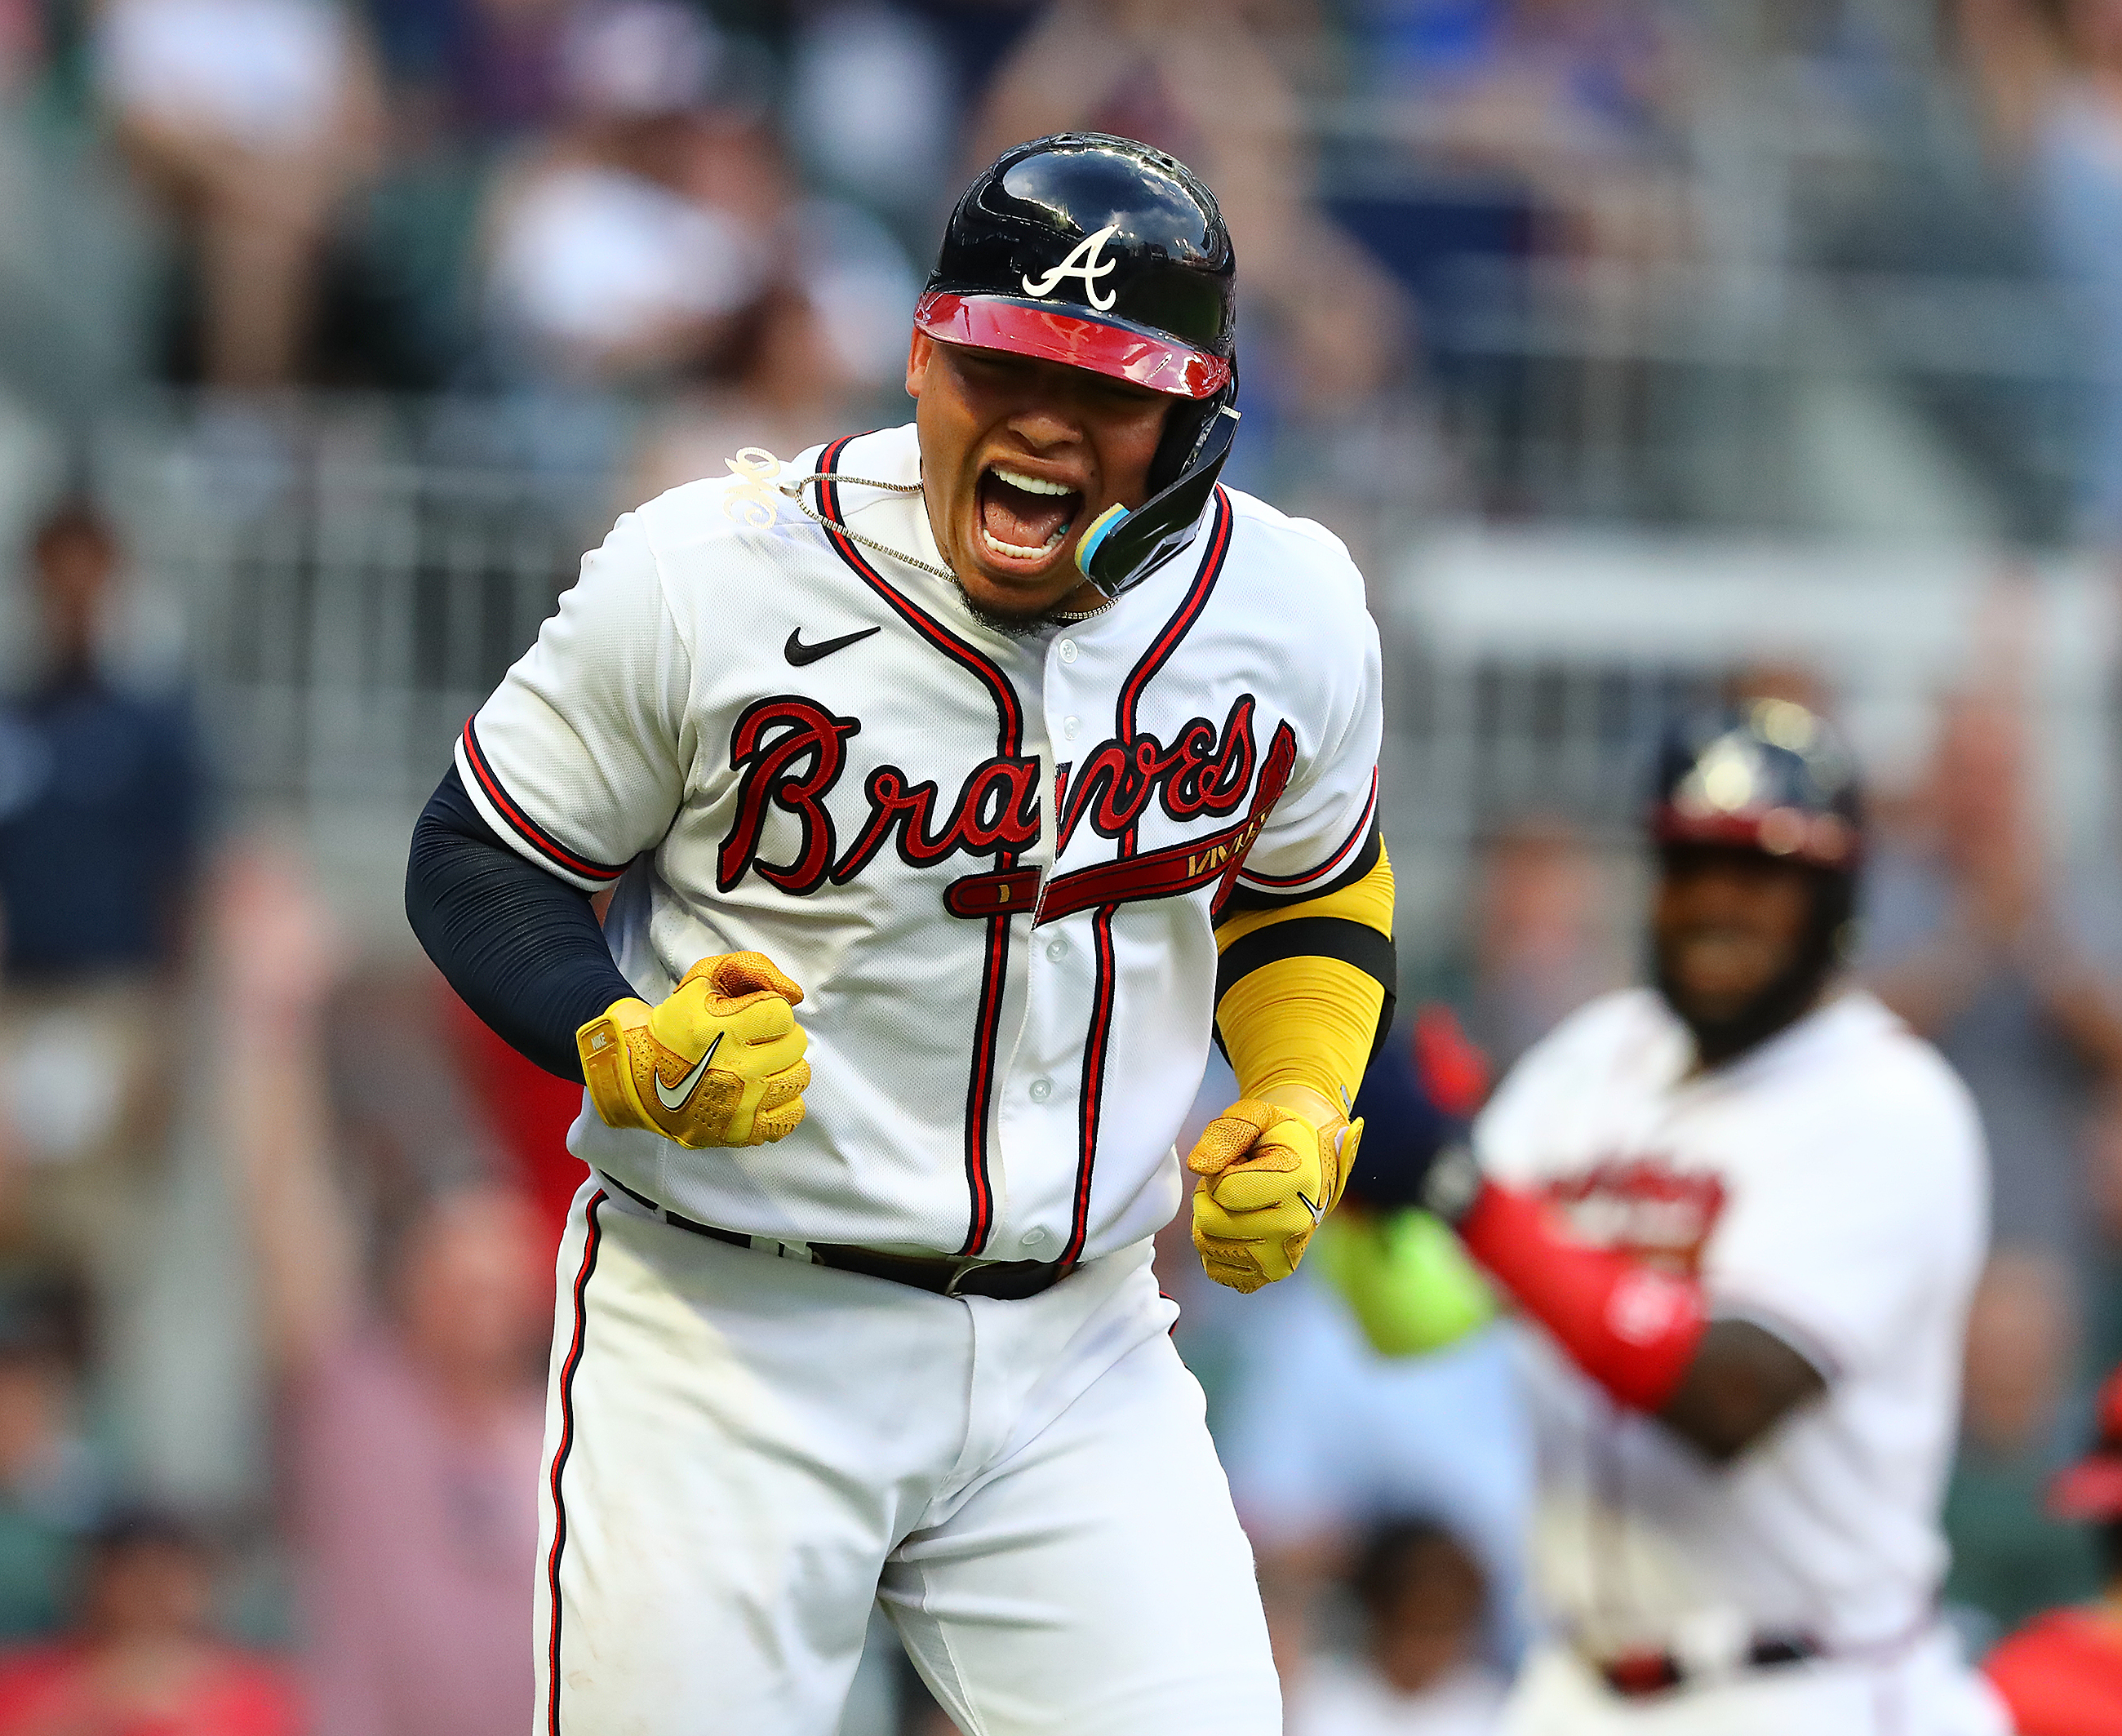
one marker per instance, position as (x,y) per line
(1035,1239)
(1068,651)
(1041,1089)
(1057,949)
(1069,726)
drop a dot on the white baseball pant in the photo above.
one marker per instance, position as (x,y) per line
(1922,1690)
(745,1452)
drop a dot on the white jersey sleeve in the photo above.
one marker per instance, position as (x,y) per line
(1876,1224)
(578,759)
(1325,823)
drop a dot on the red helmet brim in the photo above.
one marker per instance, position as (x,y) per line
(1788,833)
(1045,332)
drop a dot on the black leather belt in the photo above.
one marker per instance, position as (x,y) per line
(1637,1675)
(1002,1280)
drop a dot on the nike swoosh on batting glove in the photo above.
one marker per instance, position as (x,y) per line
(1267,1176)
(719,1062)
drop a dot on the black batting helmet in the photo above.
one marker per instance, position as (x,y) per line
(1103,253)
(1774,779)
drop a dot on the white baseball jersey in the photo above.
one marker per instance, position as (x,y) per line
(1831,1185)
(992,860)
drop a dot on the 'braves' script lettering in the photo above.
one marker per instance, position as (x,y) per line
(1204,771)
(791,753)
(788,753)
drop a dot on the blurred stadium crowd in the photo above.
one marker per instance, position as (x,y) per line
(332,330)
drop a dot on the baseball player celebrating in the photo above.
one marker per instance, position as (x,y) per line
(1748,1207)
(954,781)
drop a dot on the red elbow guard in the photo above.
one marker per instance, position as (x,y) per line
(1632,1329)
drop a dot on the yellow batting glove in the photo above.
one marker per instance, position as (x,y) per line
(1270,1169)
(719,1062)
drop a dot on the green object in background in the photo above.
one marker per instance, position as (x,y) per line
(1404,1275)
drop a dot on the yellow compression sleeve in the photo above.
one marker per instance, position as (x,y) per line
(1300,1005)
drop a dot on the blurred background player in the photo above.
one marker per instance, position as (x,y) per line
(1421,1596)
(102,805)
(141,1656)
(1748,1208)
(408,1361)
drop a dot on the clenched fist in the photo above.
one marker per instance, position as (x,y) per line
(719,1062)
(1269,1174)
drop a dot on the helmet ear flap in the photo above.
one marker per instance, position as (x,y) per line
(1119,549)
(1185,427)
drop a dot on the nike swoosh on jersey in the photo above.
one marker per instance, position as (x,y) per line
(799,653)
(674,1097)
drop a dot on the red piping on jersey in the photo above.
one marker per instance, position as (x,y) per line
(1090,1097)
(521,824)
(1348,843)
(592,1235)
(1009,712)
(1009,742)
(1160,653)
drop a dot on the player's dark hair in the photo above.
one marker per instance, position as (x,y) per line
(1403,1552)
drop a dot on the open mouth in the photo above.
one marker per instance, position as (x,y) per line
(1024,517)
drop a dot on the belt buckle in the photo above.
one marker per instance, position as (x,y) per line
(965,1269)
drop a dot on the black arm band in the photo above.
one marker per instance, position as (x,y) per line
(1354,944)
(521,948)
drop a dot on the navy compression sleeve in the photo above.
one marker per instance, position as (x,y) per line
(522,948)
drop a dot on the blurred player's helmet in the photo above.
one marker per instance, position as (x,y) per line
(1770,778)
(1101,253)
